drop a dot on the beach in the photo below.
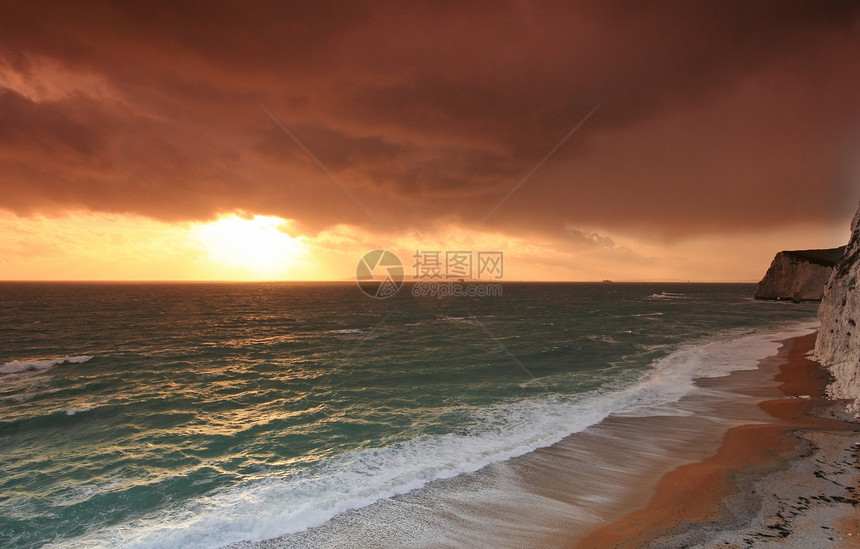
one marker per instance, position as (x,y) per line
(788,483)
(756,458)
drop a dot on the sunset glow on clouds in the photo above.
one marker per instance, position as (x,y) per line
(135,142)
(115,247)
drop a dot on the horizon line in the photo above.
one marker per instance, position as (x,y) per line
(353,281)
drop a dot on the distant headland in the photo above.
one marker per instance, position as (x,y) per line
(799,275)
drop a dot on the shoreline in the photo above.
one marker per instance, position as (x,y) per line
(794,481)
(560,495)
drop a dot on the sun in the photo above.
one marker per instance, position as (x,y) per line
(255,248)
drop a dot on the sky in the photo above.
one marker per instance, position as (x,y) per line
(614,140)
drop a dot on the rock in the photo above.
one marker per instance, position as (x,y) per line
(838,344)
(799,275)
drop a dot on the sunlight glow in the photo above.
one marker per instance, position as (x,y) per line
(258,246)
(244,247)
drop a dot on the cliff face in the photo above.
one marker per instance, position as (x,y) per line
(838,343)
(798,275)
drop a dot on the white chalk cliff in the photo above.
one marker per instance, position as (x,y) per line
(799,275)
(838,343)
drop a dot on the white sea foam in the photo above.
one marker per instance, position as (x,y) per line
(277,506)
(674,375)
(668,295)
(19,366)
(602,338)
(354,334)
(73,411)
(285,504)
(77,493)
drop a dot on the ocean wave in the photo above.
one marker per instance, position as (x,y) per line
(77,493)
(674,375)
(602,339)
(347,334)
(21,366)
(284,504)
(73,411)
(668,295)
(264,509)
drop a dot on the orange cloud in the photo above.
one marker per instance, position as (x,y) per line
(716,120)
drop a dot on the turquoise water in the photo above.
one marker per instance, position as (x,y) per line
(196,415)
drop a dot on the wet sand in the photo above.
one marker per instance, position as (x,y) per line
(792,483)
(677,457)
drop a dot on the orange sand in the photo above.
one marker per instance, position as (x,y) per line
(693,493)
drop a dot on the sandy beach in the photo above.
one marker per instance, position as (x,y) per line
(749,459)
(792,483)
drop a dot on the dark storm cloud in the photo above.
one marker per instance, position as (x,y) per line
(715,116)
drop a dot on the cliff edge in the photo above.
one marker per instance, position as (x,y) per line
(838,343)
(799,275)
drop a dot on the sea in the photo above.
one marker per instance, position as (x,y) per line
(200,415)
